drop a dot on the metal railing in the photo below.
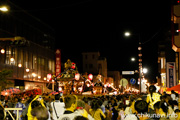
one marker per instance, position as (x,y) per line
(8,110)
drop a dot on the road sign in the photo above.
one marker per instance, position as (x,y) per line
(127,72)
(132,81)
(123,82)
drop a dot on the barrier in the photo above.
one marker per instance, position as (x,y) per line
(8,110)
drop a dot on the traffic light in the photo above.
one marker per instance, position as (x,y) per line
(176,2)
(176,29)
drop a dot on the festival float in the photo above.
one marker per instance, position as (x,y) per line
(71,81)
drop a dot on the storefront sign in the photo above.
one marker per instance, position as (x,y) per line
(58,62)
(171,76)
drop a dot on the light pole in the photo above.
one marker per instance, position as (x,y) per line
(127,34)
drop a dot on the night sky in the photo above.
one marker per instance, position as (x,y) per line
(98,25)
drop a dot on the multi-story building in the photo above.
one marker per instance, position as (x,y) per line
(175,29)
(94,64)
(29,48)
(116,76)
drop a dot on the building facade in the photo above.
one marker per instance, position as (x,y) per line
(175,29)
(94,64)
(29,48)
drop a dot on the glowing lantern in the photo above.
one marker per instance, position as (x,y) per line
(73,65)
(49,76)
(2,51)
(90,76)
(19,65)
(77,76)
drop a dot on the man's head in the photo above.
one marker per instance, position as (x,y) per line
(71,102)
(152,89)
(40,113)
(57,96)
(80,104)
(141,106)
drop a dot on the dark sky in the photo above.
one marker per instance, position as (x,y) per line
(98,25)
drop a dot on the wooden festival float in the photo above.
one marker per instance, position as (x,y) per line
(71,81)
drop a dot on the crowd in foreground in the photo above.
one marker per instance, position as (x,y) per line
(151,106)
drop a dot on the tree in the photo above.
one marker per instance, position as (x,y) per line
(4,74)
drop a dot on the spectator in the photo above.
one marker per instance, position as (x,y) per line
(57,107)
(115,112)
(152,98)
(2,100)
(70,106)
(173,95)
(128,109)
(96,111)
(39,113)
(175,103)
(82,111)
(121,111)
(141,107)
(161,110)
(37,101)
(19,104)
(107,113)
(2,112)
(87,106)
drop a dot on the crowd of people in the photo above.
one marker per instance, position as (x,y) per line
(151,106)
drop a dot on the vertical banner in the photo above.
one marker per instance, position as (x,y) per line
(58,61)
(171,74)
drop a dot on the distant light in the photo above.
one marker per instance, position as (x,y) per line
(2,51)
(139,48)
(4,9)
(133,59)
(34,74)
(127,34)
(12,59)
(77,76)
(90,76)
(49,77)
(39,77)
(19,65)
(27,69)
(145,70)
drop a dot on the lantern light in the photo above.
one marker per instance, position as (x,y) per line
(73,65)
(27,69)
(19,65)
(12,59)
(90,76)
(49,76)
(77,76)
(34,74)
(2,51)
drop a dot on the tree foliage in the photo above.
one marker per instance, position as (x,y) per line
(4,74)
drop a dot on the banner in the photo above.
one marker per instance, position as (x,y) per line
(171,74)
(58,61)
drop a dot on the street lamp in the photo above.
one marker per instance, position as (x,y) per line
(127,34)
(2,51)
(145,70)
(3,8)
(133,59)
